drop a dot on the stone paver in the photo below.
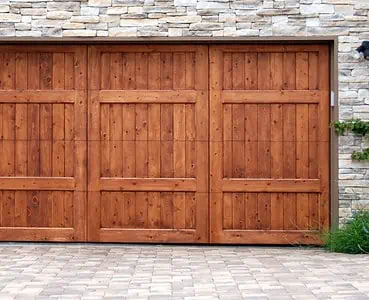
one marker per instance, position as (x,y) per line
(155,272)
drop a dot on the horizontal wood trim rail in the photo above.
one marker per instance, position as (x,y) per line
(269,48)
(128,235)
(37,234)
(146,48)
(37,183)
(271,185)
(37,96)
(288,97)
(148,184)
(147,96)
(270,237)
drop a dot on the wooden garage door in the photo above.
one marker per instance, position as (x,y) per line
(148,143)
(43,113)
(269,143)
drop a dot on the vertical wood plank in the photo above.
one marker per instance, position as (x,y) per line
(116,137)
(129,138)
(251,140)
(251,71)
(129,71)
(264,82)
(33,134)
(116,71)
(313,141)
(313,71)
(20,210)
(46,125)
(166,151)
(289,71)
(179,76)
(154,71)
(227,211)
(264,132)
(69,71)
(58,69)
(238,71)
(154,206)
(289,138)
(302,71)
(190,210)
(21,72)
(276,141)
(46,71)
(302,145)
(227,71)
(302,211)
(289,211)
(238,137)
(264,212)
(276,211)
(166,70)
(238,211)
(190,70)
(252,211)
(166,210)
(276,71)
(228,141)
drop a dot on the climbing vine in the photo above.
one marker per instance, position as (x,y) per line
(360,155)
(357,127)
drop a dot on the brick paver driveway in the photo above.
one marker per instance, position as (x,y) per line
(89,271)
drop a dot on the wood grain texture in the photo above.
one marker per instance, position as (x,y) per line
(148,132)
(43,184)
(268,137)
(167,128)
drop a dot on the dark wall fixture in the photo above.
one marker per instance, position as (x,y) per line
(364,49)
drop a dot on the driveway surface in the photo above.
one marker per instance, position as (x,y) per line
(105,271)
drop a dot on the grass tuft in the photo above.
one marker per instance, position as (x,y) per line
(352,238)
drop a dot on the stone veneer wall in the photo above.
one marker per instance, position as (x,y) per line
(348,19)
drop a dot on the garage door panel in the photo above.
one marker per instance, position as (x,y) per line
(270,141)
(43,174)
(270,211)
(148,210)
(149,122)
(269,155)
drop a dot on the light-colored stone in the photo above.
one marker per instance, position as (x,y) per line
(7,32)
(4,8)
(206,26)
(10,18)
(99,3)
(32,33)
(175,32)
(74,26)
(80,33)
(117,10)
(183,19)
(212,5)
(316,9)
(185,3)
(68,6)
(89,11)
(33,11)
(138,22)
(59,15)
(85,19)
(119,32)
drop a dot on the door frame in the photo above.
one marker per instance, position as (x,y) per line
(332,41)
